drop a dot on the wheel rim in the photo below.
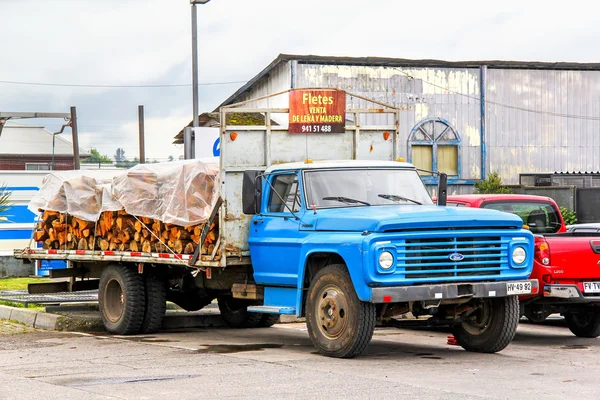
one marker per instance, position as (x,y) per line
(114,300)
(479,321)
(332,312)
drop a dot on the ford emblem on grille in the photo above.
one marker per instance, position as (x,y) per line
(456,257)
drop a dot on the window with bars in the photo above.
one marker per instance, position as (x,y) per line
(37,167)
(434,145)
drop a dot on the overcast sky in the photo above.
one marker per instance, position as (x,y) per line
(148,42)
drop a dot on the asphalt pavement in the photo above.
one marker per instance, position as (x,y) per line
(544,361)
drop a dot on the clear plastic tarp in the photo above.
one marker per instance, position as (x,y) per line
(181,192)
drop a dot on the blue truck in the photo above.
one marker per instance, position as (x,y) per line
(349,244)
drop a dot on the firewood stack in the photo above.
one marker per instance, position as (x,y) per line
(119,231)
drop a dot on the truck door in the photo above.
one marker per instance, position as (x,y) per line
(274,241)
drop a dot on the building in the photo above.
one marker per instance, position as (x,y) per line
(29,148)
(466,118)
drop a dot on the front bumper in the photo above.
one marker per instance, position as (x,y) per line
(570,292)
(447,291)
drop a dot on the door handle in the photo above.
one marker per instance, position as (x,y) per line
(258,221)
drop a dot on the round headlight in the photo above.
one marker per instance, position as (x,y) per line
(519,255)
(386,260)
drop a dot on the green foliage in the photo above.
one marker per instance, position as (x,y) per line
(569,216)
(98,158)
(5,202)
(491,185)
(19,283)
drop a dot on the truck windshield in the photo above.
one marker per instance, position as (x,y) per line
(324,188)
(539,217)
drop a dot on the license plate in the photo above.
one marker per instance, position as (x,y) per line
(518,288)
(591,287)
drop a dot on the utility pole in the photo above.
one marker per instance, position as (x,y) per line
(74,132)
(141,131)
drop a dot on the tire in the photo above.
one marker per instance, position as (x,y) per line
(585,323)
(156,304)
(339,324)
(121,299)
(235,313)
(268,320)
(491,328)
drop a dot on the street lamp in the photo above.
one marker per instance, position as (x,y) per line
(195,59)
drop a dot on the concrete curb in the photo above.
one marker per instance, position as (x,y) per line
(34,319)
(88,320)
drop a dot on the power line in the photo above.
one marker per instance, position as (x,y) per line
(166,85)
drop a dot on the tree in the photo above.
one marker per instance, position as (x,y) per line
(98,158)
(5,203)
(120,155)
(491,185)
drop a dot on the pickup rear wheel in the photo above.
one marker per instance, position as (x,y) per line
(585,323)
(235,313)
(491,327)
(121,299)
(339,324)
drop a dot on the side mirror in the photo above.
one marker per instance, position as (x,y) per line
(252,192)
(442,189)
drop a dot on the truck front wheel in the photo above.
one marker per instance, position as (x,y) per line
(491,327)
(584,323)
(339,324)
(121,298)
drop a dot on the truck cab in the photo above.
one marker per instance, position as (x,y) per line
(352,244)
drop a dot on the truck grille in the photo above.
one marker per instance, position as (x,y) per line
(452,257)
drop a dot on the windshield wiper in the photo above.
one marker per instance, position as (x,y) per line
(395,197)
(347,200)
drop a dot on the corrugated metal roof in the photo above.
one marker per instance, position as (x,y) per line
(18,139)
(404,62)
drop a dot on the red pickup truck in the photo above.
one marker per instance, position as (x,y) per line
(566,264)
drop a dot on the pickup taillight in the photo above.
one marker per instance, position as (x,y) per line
(542,251)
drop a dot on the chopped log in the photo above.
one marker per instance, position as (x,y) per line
(177,247)
(146,246)
(85,233)
(189,248)
(195,239)
(138,227)
(133,246)
(137,236)
(103,244)
(147,221)
(82,245)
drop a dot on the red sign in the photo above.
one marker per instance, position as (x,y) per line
(317,111)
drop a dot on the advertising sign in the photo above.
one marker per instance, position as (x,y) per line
(317,111)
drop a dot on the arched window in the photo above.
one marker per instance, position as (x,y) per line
(433,144)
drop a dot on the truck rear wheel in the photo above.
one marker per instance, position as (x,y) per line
(339,324)
(585,323)
(121,298)
(491,327)
(235,313)
(156,304)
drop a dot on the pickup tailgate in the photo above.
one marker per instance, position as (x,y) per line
(575,256)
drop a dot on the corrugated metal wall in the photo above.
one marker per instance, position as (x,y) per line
(536,120)
(542,121)
(278,80)
(451,94)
